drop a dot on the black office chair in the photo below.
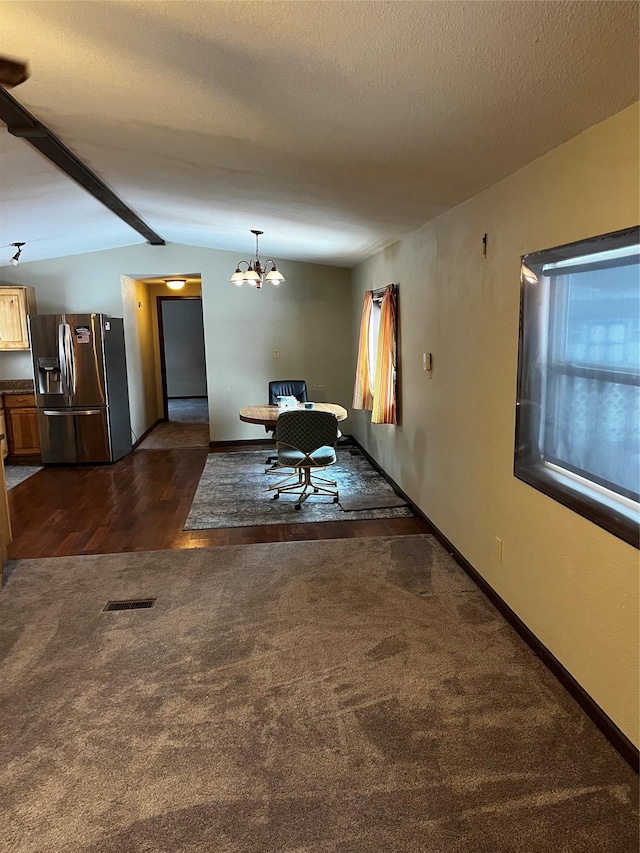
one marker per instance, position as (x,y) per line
(285,388)
(306,440)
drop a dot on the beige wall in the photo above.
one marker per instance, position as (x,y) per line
(308,319)
(573,584)
(140,333)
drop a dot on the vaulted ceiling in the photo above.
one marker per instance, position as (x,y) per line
(334,127)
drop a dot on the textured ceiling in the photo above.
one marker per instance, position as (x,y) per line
(334,127)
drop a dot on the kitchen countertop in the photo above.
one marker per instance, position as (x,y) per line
(16,386)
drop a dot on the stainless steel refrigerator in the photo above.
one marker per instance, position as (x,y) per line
(80,383)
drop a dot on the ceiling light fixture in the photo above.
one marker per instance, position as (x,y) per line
(256,273)
(175,283)
(14,260)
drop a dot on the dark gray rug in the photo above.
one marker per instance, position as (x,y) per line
(233,492)
(188,410)
(339,696)
(16,474)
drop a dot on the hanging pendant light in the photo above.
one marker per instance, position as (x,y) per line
(256,273)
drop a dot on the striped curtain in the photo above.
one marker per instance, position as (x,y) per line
(362,398)
(384,386)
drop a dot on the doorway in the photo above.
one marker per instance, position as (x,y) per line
(182,374)
(182,359)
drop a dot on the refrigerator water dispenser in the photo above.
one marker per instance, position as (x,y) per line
(49,376)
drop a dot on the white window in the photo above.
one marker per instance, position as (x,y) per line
(372,341)
(578,416)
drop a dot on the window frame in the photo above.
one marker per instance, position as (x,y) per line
(580,491)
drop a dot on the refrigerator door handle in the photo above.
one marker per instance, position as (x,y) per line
(71,360)
(69,413)
(63,365)
(67,362)
(62,358)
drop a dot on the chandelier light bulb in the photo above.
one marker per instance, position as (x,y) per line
(274,276)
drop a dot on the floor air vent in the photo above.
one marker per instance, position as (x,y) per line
(133,604)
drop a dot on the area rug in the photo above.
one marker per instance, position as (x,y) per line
(357,503)
(354,695)
(233,492)
(16,474)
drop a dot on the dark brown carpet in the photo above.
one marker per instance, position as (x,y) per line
(340,696)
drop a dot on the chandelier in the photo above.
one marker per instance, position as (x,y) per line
(256,273)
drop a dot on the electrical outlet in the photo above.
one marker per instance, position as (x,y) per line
(498,549)
(276,353)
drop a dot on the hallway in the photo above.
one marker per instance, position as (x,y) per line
(188,426)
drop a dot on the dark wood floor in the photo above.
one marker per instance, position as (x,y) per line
(140,504)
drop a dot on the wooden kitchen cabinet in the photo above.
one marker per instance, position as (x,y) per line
(22,424)
(16,302)
(4,442)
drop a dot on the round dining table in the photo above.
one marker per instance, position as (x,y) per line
(268,415)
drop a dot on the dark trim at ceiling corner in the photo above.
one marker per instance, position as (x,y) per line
(21,123)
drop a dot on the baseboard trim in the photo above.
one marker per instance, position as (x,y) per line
(146,433)
(29,459)
(600,718)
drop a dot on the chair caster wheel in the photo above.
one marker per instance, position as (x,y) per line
(298,506)
(276,496)
(316,490)
(336,500)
